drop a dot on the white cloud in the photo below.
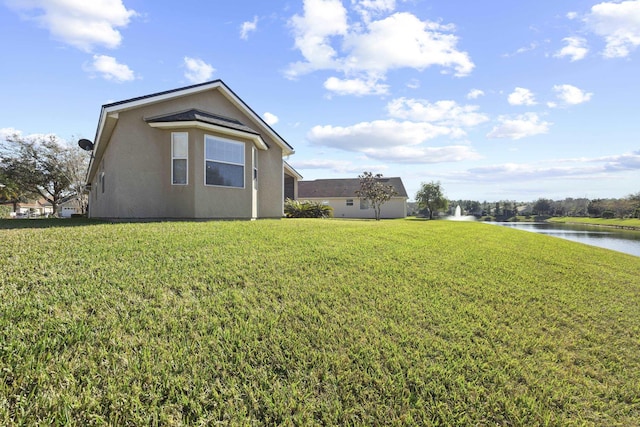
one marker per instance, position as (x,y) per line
(377,134)
(444,113)
(402,40)
(394,141)
(367,50)
(34,137)
(198,71)
(573,168)
(377,5)
(623,162)
(524,125)
(338,166)
(475,94)
(109,68)
(356,87)
(415,155)
(571,95)
(248,27)
(575,49)
(322,20)
(402,138)
(271,119)
(572,15)
(79,23)
(413,84)
(9,132)
(619,24)
(369,8)
(524,49)
(521,96)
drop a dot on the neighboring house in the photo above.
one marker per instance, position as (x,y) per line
(69,206)
(194,152)
(30,209)
(340,194)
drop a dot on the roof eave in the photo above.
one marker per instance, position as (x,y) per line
(255,138)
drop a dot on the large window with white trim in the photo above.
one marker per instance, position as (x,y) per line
(179,158)
(224,162)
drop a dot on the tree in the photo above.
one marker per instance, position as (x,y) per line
(44,166)
(77,163)
(10,190)
(430,196)
(542,206)
(373,190)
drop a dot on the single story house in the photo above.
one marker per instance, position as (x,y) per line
(194,152)
(340,194)
(70,206)
(30,209)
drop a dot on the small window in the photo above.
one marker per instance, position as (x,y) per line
(224,162)
(349,202)
(179,158)
(364,204)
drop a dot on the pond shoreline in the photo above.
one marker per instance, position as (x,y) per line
(616,226)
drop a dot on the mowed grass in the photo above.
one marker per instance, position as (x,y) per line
(612,222)
(314,322)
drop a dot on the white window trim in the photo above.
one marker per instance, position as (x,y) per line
(173,157)
(243,164)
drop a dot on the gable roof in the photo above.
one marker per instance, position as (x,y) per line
(195,115)
(109,116)
(332,188)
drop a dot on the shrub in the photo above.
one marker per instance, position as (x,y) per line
(5,211)
(306,209)
(608,214)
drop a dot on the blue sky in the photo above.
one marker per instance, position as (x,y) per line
(497,100)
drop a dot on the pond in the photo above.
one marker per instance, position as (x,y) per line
(616,239)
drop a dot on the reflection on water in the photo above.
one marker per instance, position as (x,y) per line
(610,238)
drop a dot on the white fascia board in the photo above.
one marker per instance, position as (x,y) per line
(291,171)
(257,139)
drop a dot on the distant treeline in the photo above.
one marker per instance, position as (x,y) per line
(626,207)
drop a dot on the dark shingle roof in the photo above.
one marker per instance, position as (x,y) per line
(204,117)
(342,187)
(166,92)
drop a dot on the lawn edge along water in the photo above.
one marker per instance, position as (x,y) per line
(627,223)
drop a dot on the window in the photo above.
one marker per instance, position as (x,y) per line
(224,162)
(179,158)
(349,202)
(364,204)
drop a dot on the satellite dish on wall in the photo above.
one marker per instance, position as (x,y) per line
(85,144)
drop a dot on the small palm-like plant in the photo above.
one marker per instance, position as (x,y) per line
(306,209)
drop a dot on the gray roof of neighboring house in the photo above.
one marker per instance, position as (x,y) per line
(330,188)
(204,117)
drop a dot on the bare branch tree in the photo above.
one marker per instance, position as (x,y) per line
(374,191)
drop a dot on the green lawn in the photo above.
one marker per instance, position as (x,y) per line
(613,222)
(303,322)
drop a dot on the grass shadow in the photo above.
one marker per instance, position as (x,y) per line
(9,224)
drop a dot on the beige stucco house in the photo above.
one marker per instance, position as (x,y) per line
(193,152)
(340,194)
